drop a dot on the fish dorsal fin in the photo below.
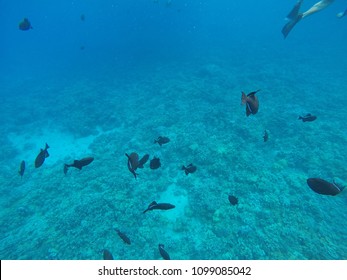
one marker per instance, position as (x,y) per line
(153,203)
(251,94)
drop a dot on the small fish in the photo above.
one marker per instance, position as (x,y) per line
(25,25)
(123,236)
(83,17)
(143,160)
(107,255)
(21,168)
(323,187)
(154,163)
(189,169)
(78,163)
(159,206)
(307,118)
(251,101)
(162,140)
(133,162)
(163,253)
(41,156)
(266,135)
(233,200)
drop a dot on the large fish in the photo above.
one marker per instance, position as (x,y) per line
(21,168)
(78,163)
(133,163)
(40,159)
(323,187)
(251,101)
(159,206)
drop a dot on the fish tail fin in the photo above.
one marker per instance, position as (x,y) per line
(47,146)
(243,98)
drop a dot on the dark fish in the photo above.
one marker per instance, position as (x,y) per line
(82,48)
(143,160)
(159,206)
(78,163)
(162,140)
(133,162)
(83,17)
(189,169)
(41,157)
(251,101)
(307,118)
(123,236)
(233,200)
(154,163)
(21,168)
(323,187)
(107,255)
(266,135)
(25,25)
(163,253)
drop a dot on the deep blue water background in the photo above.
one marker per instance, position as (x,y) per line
(148,68)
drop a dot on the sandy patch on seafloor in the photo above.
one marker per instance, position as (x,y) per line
(63,146)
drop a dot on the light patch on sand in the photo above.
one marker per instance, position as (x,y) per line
(176,197)
(63,146)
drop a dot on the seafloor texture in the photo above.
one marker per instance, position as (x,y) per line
(49,215)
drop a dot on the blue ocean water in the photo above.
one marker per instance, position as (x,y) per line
(104,78)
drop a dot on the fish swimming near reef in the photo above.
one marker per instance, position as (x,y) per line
(162,140)
(251,101)
(21,168)
(41,156)
(233,200)
(143,160)
(133,162)
(78,163)
(163,253)
(266,135)
(25,25)
(154,163)
(159,206)
(107,255)
(307,118)
(123,236)
(323,187)
(189,169)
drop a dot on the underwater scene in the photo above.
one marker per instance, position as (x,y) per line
(173,129)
